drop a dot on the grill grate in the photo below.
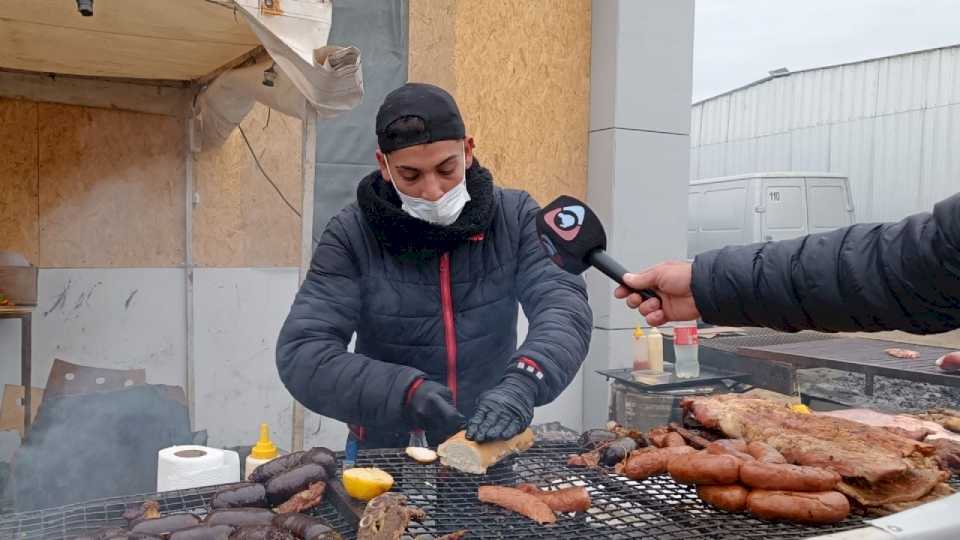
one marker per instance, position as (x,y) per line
(654,508)
(81,518)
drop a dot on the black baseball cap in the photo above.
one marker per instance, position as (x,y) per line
(430,104)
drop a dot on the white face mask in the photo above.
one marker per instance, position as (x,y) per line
(442,211)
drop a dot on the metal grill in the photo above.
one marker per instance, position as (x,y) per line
(622,508)
(78,519)
(762,337)
(654,508)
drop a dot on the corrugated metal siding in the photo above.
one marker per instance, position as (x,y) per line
(891,124)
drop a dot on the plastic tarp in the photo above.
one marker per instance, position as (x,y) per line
(346,144)
(301,66)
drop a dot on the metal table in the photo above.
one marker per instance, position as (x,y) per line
(859,355)
(25,314)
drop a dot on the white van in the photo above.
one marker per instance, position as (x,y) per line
(765,206)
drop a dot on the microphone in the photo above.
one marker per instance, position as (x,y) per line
(574,239)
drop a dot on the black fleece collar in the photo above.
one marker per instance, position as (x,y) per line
(402,234)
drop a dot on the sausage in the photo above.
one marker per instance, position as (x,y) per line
(165,525)
(239,517)
(732,498)
(594,438)
(642,465)
(810,507)
(287,484)
(674,439)
(729,447)
(517,501)
(276,466)
(703,468)
(261,532)
(784,477)
(241,495)
(617,451)
(149,509)
(765,453)
(692,438)
(323,457)
(949,362)
(204,532)
(658,436)
(305,500)
(305,527)
(572,499)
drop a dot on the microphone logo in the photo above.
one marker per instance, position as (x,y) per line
(566,221)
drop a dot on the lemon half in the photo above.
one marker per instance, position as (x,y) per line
(366,483)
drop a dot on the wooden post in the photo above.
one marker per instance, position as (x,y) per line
(309,167)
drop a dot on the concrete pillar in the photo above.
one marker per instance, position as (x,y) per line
(640,94)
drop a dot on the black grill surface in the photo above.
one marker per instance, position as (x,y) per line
(654,508)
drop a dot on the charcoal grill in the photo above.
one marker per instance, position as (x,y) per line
(654,508)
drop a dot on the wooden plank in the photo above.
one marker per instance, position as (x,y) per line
(172,39)
(860,356)
(19,226)
(241,220)
(111,188)
(13,407)
(142,96)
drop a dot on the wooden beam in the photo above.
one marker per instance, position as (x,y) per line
(168,98)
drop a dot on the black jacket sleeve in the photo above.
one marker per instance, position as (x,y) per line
(868,277)
(312,355)
(555,304)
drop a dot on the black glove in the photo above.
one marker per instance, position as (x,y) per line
(430,407)
(505,410)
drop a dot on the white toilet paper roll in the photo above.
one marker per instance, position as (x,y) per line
(190,466)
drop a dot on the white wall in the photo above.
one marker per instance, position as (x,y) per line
(641,79)
(892,125)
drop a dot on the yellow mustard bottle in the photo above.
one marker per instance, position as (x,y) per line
(641,357)
(261,452)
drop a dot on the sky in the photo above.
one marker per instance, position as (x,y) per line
(738,41)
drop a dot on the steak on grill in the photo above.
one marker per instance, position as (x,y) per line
(877,467)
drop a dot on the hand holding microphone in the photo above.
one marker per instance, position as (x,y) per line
(672,283)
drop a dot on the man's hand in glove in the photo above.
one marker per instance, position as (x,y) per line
(505,410)
(430,407)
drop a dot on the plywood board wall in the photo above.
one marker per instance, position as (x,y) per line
(18,178)
(241,220)
(521,73)
(111,188)
(432,43)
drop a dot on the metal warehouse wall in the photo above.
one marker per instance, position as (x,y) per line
(891,124)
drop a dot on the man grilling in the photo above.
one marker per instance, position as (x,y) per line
(428,268)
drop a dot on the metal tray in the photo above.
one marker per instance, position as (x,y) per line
(669,381)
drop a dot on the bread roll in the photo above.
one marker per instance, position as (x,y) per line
(470,457)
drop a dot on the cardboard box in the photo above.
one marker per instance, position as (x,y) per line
(11,410)
(18,279)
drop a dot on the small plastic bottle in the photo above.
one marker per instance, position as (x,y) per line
(686,348)
(655,350)
(641,353)
(261,452)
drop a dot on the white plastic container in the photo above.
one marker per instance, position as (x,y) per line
(686,349)
(261,452)
(655,350)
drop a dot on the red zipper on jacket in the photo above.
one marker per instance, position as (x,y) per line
(449,330)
